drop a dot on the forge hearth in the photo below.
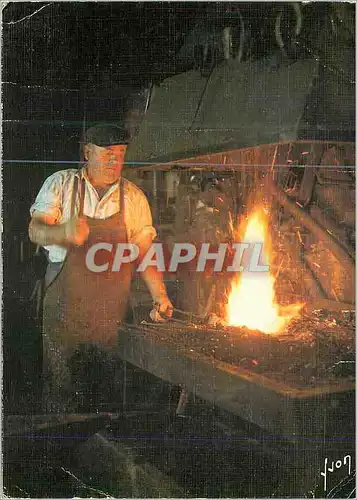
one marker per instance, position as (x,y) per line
(278,382)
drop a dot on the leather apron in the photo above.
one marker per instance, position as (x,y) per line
(82,306)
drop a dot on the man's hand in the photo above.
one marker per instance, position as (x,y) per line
(162,310)
(76,231)
(44,230)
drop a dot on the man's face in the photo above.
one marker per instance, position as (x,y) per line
(105,163)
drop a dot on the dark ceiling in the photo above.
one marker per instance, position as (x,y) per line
(93,44)
(86,44)
(64,63)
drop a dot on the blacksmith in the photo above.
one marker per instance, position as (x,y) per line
(74,210)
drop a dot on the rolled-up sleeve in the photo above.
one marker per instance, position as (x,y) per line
(142,229)
(49,198)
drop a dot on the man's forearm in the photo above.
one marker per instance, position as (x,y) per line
(154,281)
(42,234)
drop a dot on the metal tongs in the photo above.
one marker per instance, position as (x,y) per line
(192,318)
(159,319)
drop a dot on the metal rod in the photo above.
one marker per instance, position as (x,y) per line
(124,385)
(191,315)
(154,192)
(21,251)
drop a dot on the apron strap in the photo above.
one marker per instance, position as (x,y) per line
(81,199)
(121,200)
(74,196)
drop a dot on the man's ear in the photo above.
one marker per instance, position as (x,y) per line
(86,151)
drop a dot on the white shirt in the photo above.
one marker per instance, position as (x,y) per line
(55,198)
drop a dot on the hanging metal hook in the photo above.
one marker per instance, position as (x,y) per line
(149,97)
(298,26)
(241,37)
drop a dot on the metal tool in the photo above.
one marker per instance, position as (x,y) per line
(192,316)
(164,323)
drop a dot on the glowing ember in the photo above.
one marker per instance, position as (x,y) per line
(251,302)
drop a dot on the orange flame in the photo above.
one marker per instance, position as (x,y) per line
(251,301)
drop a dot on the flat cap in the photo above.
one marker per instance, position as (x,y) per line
(106,134)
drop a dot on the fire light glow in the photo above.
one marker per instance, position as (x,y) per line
(252,302)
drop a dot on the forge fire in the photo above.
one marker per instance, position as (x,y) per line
(251,301)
